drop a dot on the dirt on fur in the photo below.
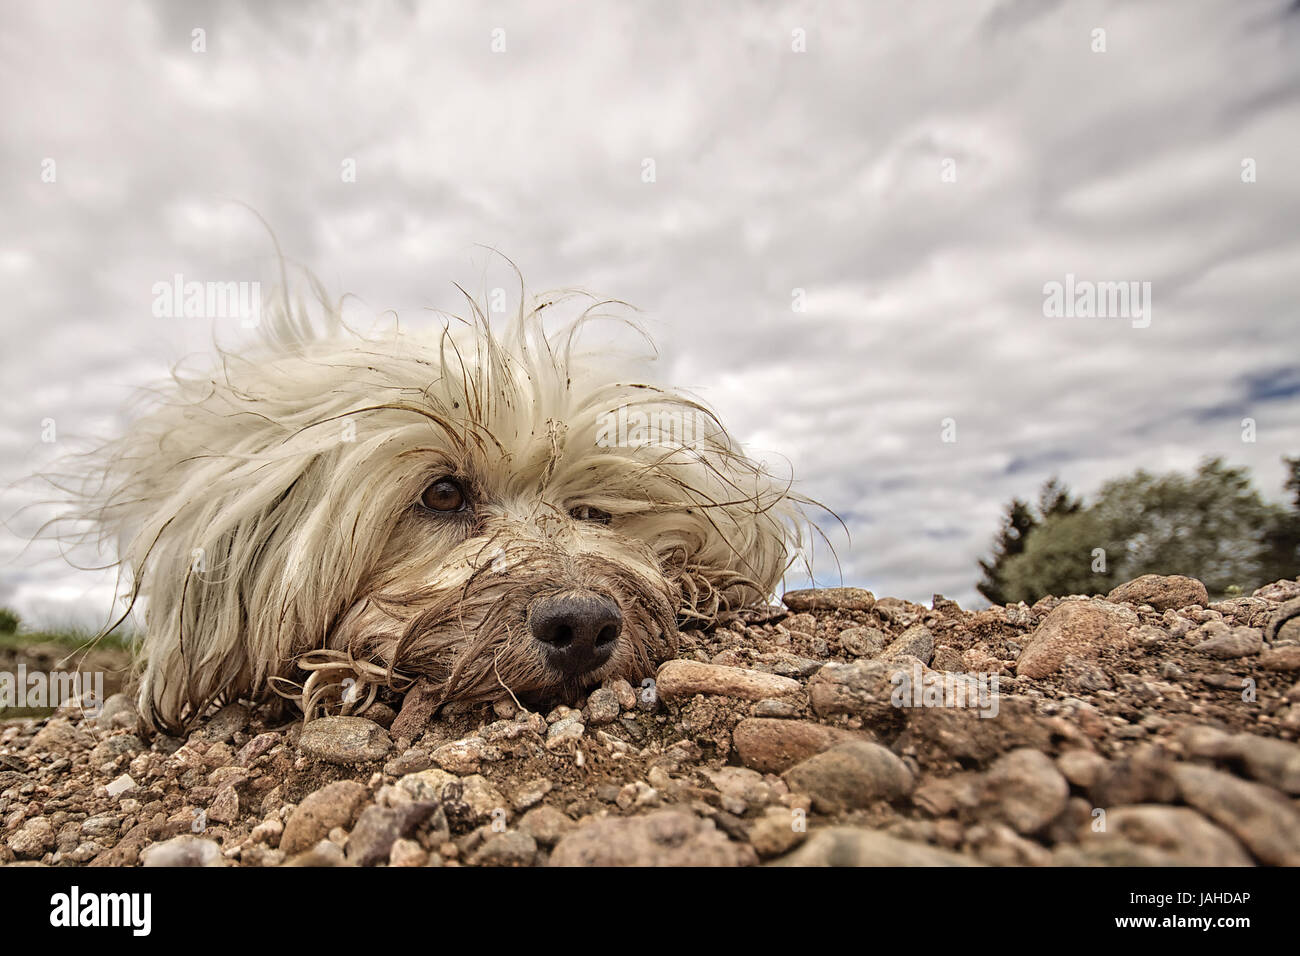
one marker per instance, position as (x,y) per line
(835,730)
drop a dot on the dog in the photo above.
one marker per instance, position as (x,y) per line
(470,512)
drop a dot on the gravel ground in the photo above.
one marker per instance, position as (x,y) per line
(1144,728)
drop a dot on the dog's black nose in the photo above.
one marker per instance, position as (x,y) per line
(578,630)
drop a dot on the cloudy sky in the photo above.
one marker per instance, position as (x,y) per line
(918,170)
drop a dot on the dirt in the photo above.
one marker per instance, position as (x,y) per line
(649,775)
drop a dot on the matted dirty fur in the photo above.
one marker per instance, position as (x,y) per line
(269,515)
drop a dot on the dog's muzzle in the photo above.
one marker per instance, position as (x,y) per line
(575,631)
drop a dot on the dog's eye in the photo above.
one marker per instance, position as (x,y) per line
(444,495)
(588,513)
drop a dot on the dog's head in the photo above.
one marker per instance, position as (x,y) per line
(488,513)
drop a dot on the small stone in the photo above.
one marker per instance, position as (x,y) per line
(829,599)
(917,641)
(34,840)
(684,679)
(225,806)
(1281,658)
(324,853)
(411,761)
(259,745)
(120,785)
(546,825)
(1082,768)
(223,725)
(378,828)
(406,852)
(530,793)
(850,776)
(1162,592)
(863,641)
(778,831)
(183,850)
(1238,642)
(1025,789)
(742,789)
(344,740)
(602,707)
(770,707)
(460,756)
(427,785)
(334,805)
(623,692)
(511,848)
(483,799)
(565,732)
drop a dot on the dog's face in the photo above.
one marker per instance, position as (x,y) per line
(489,515)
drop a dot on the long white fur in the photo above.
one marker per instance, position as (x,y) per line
(266,512)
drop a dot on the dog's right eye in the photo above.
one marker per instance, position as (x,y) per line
(444,495)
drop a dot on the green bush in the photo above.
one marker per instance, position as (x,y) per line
(9,621)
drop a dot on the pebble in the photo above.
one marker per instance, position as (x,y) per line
(406,852)
(120,785)
(223,725)
(530,793)
(344,740)
(742,789)
(565,732)
(412,760)
(1266,759)
(849,776)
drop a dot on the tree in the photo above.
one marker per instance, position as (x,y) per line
(1020,519)
(1212,525)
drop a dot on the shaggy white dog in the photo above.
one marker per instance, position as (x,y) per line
(469,513)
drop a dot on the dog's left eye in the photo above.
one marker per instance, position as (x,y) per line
(444,495)
(588,513)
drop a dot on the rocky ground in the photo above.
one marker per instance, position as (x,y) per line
(1150,727)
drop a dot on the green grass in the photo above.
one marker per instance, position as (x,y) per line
(71,639)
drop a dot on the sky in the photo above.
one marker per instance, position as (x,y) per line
(837,219)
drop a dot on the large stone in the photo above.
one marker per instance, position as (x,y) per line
(1184,836)
(334,805)
(850,776)
(1266,759)
(829,599)
(345,740)
(853,846)
(661,838)
(1260,817)
(682,678)
(183,850)
(772,745)
(379,828)
(1162,591)
(1079,629)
